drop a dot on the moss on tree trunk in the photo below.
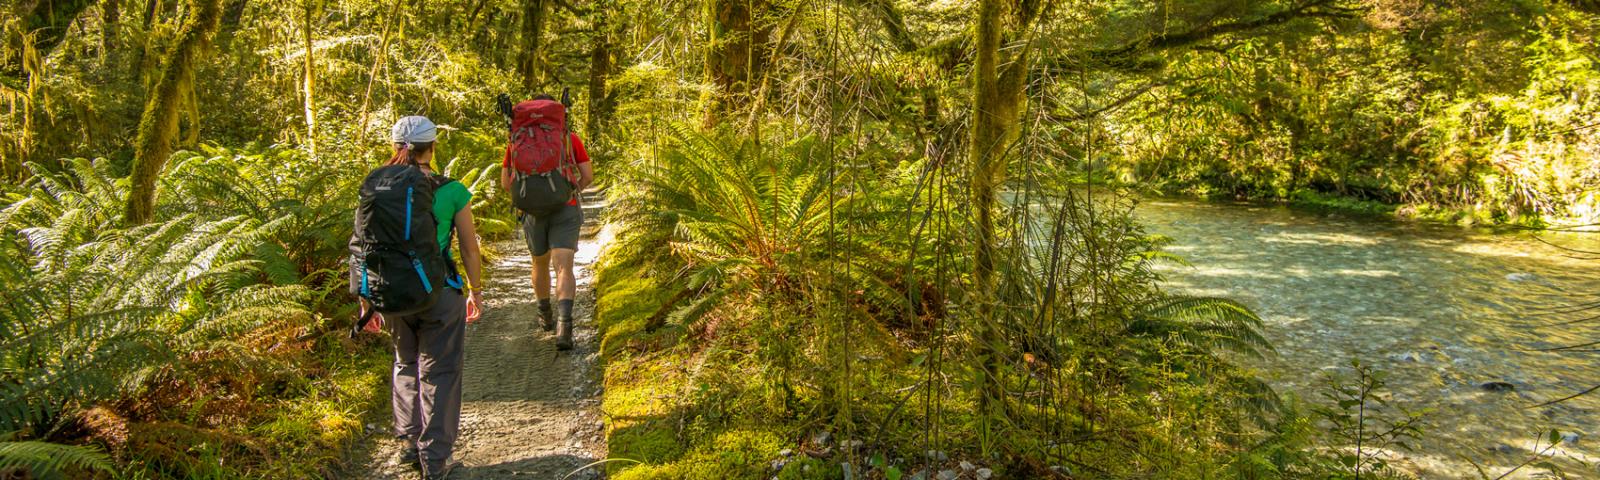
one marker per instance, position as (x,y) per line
(736,54)
(158,125)
(999,83)
(533,13)
(600,67)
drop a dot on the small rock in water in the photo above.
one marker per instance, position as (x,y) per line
(1521,277)
(985,473)
(1497,386)
(1408,357)
(1570,438)
(1502,448)
(947,475)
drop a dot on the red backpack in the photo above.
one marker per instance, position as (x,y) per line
(539,152)
(538,136)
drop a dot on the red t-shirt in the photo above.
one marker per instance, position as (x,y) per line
(578,153)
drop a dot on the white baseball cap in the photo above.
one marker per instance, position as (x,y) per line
(414,129)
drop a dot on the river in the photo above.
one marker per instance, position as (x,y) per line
(1439,309)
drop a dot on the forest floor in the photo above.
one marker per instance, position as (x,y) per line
(528,410)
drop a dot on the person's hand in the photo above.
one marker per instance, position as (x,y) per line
(474,306)
(374,325)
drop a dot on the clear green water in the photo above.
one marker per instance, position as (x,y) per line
(1439,309)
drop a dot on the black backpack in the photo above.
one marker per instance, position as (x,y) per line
(396,262)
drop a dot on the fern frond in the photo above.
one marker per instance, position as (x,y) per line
(52,460)
(1202,322)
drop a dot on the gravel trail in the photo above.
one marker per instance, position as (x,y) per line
(528,410)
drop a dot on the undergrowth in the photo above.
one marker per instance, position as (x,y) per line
(206,344)
(730,352)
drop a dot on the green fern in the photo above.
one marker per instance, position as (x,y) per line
(1203,323)
(46,460)
(109,309)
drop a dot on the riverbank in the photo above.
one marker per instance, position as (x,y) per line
(1314,201)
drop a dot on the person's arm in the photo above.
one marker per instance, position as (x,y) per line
(505,178)
(472,257)
(585,175)
(581,156)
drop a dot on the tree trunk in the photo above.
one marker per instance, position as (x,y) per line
(151,7)
(600,65)
(472,18)
(894,24)
(48,20)
(532,32)
(109,11)
(381,58)
(310,82)
(158,125)
(999,81)
(232,14)
(735,55)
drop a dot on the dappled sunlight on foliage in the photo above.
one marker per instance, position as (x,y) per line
(863,238)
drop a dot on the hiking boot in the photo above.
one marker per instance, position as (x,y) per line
(546,316)
(441,473)
(564,334)
(409,457)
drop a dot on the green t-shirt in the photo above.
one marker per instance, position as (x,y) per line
(447,200)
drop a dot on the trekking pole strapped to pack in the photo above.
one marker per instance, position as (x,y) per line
(539,152)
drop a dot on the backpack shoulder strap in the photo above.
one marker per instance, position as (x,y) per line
(439,180)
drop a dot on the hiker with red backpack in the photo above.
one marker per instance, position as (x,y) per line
(401,268)
(545,169)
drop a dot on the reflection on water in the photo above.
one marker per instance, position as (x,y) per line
(1440,309)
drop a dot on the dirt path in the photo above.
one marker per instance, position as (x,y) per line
(528,410)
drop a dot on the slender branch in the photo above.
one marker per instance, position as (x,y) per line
(1568,397)
(1159,42)
(1115,104)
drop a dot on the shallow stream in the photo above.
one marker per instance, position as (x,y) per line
(1441,310)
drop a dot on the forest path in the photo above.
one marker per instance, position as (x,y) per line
(528,410)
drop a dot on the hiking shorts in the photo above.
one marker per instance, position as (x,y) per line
(557,230)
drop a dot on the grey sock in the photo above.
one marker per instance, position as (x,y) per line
(566,308)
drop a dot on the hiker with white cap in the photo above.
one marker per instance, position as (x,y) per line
(401,267)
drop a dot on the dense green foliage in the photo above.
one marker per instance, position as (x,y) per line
(1484,110)
(858,230)
(770,304)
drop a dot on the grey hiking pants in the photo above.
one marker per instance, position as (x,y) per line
(427,376)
